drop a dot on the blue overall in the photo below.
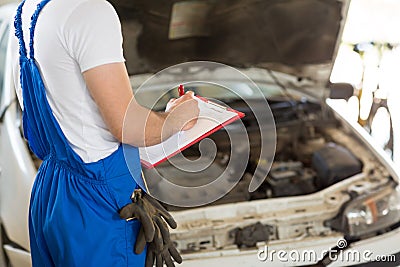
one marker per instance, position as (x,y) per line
(73,216)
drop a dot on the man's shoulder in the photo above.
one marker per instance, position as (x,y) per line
(68,6)
(73,4)
(83,7)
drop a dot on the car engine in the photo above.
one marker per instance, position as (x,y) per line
(307,159)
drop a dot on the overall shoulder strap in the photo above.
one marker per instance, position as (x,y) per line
(35,16)
(18,29)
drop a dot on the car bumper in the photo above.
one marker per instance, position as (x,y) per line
(376,251)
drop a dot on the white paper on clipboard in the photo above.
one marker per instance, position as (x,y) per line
(212,117)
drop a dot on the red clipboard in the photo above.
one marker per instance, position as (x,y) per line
(233,117)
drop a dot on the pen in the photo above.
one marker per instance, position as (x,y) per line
(181,90)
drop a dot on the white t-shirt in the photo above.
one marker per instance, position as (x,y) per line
(71,37)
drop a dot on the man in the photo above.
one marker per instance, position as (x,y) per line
(75,90)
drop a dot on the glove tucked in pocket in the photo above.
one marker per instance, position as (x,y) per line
(154,229)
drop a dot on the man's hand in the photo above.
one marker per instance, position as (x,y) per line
(182,112)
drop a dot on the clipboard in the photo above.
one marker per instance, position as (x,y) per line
(212,117)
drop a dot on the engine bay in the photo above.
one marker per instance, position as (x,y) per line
(319,166)
(307,158)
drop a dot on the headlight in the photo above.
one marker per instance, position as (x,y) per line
(373,212)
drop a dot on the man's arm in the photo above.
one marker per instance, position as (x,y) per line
(110,88)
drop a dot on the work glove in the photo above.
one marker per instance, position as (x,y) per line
(164,253)
(153,230)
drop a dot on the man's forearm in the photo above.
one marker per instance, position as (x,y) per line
(144,127)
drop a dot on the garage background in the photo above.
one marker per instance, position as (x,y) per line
(369,58)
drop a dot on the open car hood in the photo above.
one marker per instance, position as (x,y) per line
(298,37)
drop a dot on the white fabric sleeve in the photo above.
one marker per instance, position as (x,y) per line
(93,34)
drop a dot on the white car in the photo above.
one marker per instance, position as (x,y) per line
(331,197)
